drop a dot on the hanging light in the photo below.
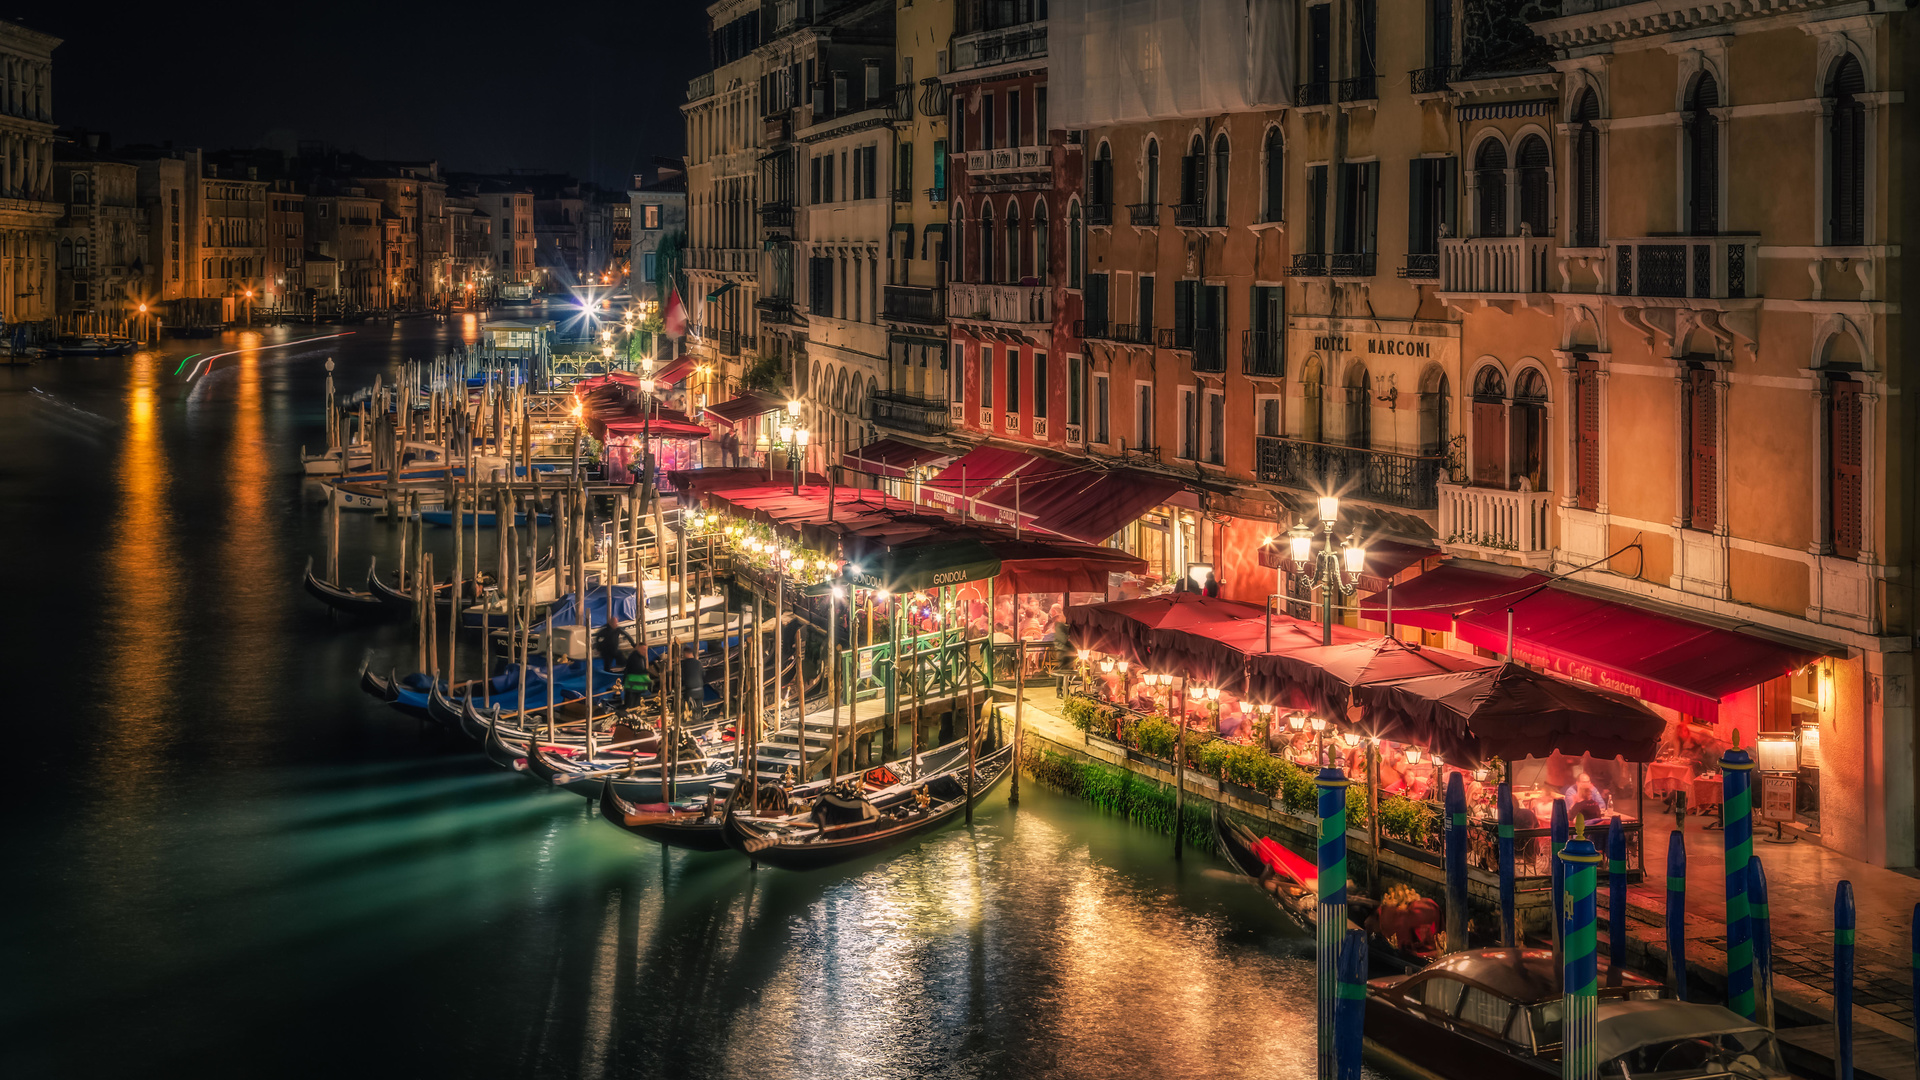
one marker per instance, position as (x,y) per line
(1480,774)
(1351,738)
(1246,708)
(1106,665)
(1124,665)
(1413,755)
(793,409)
(1195,692)
(1266,708)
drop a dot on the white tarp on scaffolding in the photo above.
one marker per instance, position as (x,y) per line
(1125,61)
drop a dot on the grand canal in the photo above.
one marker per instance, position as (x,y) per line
(224,858)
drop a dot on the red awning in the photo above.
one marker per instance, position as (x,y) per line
(1322,678)
(1386,558)
(1666,659)
(661,428)
(751,403)
(891,457)
(1431,600)
(675,371)
(1105,504)
(1037,482)
(975,472)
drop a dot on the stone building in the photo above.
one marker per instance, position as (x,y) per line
(724,142)
(101,254)
(29,206)
(343,225)
(659,210)
(286,278)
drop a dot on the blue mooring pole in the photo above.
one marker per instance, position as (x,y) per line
(1456,855)
(1616,898)
(1736,772)
(1580,969)
(1556,841)
(1330,912)
(1351,1009)
(1677,912)
(1843,981)
(1762,941)
(1506,863)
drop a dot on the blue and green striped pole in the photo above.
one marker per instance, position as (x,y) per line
(1456,856)
(1677,912)
(1616,898)
(1843,981)
(1762,941)
(1330,913)
(1736,771)
(1579,989)
(1351,1011)
(1913,940)
(1556,841)
(1506,863)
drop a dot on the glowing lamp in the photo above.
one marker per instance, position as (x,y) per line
(1213,693)
(1300,544)
(1351,738)
(1329,508)
(1106,666)
(1356,556)
(801,435)
(786,433)
(1297,721)
(1318,723)
(793,409)
(1413,755)
(1124,665)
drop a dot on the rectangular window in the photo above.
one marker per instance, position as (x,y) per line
(903,172)
(1040,384)
(873,81)
(1189,424)
(813,180)
(1216,427)
(1586,434)
(872,154)
(939,169)
(1317,208)
(1430,203)
(1270,416)
(1102,398)
(820,286)
(1265,353)
(1185,299)
(986,376)
(1094,305)
(1143,419)
(1210,330)
(958,390)
(1703,450)
(1040,114)
(1076,376)
(1013,118)
(1319,44)
(1013,379)
(1358,210)
(839,92)
(1845,464)
(987,104)
(1143,310)
(650,265)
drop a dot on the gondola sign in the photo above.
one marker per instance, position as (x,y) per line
(928,566)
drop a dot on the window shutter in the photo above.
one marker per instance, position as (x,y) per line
(1183,314)
(1703,450)
(1849,172)
(1705,158)
(1489,443)
(1586,388)
(1845,458)
(1586,149)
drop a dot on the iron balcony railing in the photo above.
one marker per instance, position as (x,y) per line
(1103,330)
(1358,88)
(1000,46)
(776,310)
(1189,216)
(1313,93)
(909,303)
(1706,268)
(1099,213)
(909,413)
(1421,266)
(777,215)
(1351,264)
(1381,476)
(1209,349)
(1263,353)
(1434,80)
(1309,264)
(1145,213)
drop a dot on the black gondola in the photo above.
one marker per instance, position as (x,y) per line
(690,829)
(360,605)
(841,828)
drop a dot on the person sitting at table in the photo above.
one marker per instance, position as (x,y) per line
(1393,775)
(1585,799)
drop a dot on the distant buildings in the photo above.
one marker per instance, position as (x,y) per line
(29,208)
(659,210)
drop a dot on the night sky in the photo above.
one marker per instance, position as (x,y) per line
(593,89)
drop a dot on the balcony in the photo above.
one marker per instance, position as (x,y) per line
(726,260)
(1313,93)
(985,48)
(1263,353)
(907,303)
(1103,330)
(936,194)
(1209,349)
(1012,304)
(1358,88)
(1700,267)
(1434,80)
(724,342)
(1378,476)
(1189,216)
(1421,267)
(1009,159)
(1351,264)
(777,311)
(776,215)
(1492,521)
(787,15)
(908,413)
(700,86)
(776,130)
(1308,264)
(1145,213)
(1513,265)
(1099,213)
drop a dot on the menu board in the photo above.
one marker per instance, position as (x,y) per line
(1776,796)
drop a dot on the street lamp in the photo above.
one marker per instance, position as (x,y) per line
(1334,569)
(796,455)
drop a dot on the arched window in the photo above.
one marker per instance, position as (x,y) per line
(1703,156)
(1311,402)
(1436,412)
(1846,153)
(1528,422)
(1273,178)
(1040,241)
(1586,171)
(1490,177)
(1152,188)
(1220,174)
(1193,179)
(1073,244)
(1536,198)
(82,188)
(1016,268)
(1490,428)
(1100,184)
(1359,407)
(986,244)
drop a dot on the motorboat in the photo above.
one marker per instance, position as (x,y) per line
(89,345)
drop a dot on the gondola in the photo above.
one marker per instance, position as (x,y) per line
(360,605)
(398,597)
(1287,879)
(634,773)
(843,827)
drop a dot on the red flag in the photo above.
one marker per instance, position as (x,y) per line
(676,317)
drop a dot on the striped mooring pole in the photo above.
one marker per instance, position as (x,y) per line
(1616,898)
(1843,981)
(1506,863)
(1556,841)
(1580,969)
(1351,1011)
(1736,772)
(1762,942)
(1913,939)
(1677,913)
(1456,857)
(1330,912)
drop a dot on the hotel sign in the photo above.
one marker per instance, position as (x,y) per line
(1373,345)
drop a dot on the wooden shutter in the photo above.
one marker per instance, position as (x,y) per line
(1183,313)
(1489,444)
(1586,455)
(1586,149)
(1845,458)
(1849,172)
(1705,193)
(1703,451)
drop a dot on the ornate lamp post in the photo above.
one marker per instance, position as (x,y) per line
(1336,570)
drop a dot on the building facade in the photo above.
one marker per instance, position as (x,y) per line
(658,210)
(723,258)
(100,259)
(344,226)
(286,278)
(30,207)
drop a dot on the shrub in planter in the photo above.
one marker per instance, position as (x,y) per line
(1406,820)
(1080,712)
(1154,736)
(1297,789)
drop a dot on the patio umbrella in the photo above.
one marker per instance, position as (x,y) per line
(1322,678)
(1221,653)
(1126,627)
(1509,712)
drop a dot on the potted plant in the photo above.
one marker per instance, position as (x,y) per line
(1153,738)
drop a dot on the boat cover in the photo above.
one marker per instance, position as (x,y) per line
(566,612)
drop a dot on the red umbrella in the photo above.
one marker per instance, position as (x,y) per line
(1127,627)
(1322,678)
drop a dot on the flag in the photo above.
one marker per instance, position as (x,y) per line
(676,317)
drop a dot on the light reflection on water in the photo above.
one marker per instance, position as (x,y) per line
(222,851)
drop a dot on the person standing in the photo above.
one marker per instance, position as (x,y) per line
(638,680)
(693,687)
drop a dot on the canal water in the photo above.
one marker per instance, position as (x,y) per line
(223,858)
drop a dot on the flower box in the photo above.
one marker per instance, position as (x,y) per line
(1245,794)
(1153,762)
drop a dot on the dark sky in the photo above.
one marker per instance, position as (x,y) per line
(588,88)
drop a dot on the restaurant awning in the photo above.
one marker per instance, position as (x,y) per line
(751,403)
(1127,627)
(928,566)
(1106,503)
(1321,678)
(678,369)
(1431,600)
(891,457)
(973,473)
(1509,712)
(1386,558)
(661,428)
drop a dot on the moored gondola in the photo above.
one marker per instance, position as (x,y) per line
(360,605)
(692,825)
